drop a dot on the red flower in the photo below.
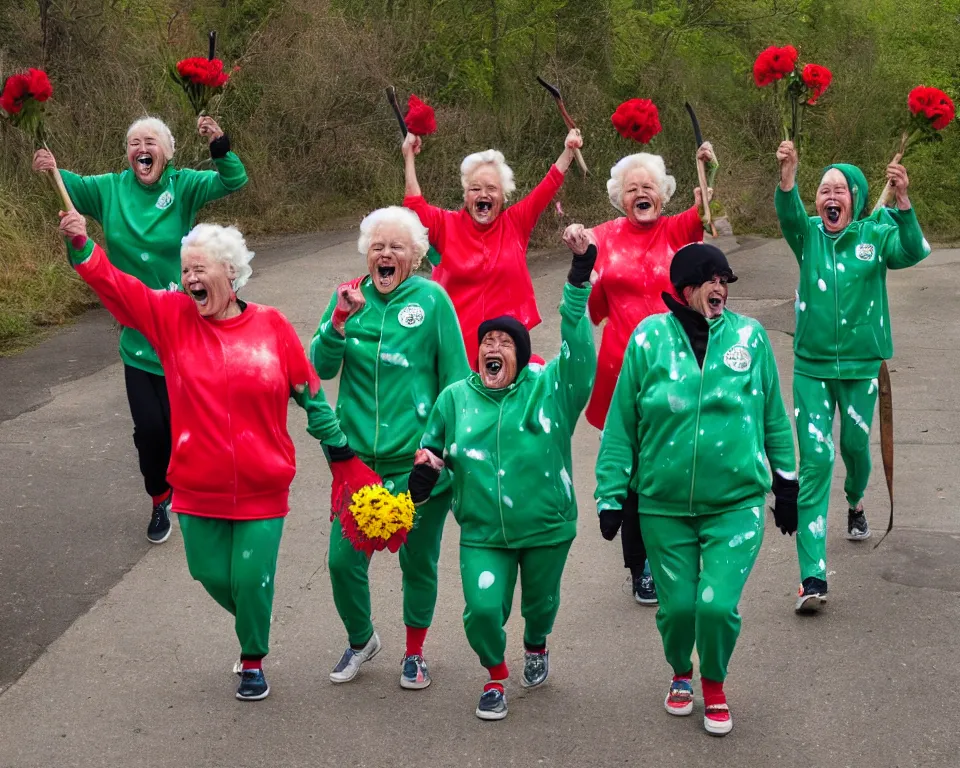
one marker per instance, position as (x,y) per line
(773,63)
(637,119)
(817,79)
(420,118)
(15,91)
(933,104)
(200,71)
(40,87)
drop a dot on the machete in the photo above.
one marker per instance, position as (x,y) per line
(555,92)
(392,98)
(886,437)
(701,172)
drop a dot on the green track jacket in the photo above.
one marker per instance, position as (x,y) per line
(692,442)
(843,316)
(143,227)
(399,352)
(509,449)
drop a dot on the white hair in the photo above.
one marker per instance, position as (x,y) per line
(654,165)
(226,245)
(159,127)
(403,217)
(489,157)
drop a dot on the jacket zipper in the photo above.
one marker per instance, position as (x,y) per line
(836,303)
(376,384)
(503,527)
(696,433)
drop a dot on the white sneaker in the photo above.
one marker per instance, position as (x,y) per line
(349,664)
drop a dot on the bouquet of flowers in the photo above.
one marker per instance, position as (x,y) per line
(201,79)
(803,86)
(931,110)
(377,520)
(22,103)
(420,118)
(637,119)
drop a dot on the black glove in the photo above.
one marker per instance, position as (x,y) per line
(220,146)
(422,480)
(343,453)
(610,522)
(785,504)
(582,267)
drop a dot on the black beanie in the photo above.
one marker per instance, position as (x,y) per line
(698,263)
(516,331)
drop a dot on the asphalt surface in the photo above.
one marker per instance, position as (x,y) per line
(111,655)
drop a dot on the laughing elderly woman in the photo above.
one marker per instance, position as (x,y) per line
(484,244)
(232,367)
(633,265)
(696,411)
(393,338)
(145,212)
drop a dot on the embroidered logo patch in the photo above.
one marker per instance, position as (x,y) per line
(164,201)
(865,252)
(411,316)
(737,358)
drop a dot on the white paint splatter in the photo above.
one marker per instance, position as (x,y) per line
(857,419)
(473,453)
(508,501)
(841,268)
(486,580)
(708,595)
(821,284)
(422,409)
(144,257)
(676,404)
(247,553)
(395,358)
(745,333)
(544,421)
(567,482)
(454,448)
(565,350)
(818,528)
(184,436)
(822,565)
(874,384)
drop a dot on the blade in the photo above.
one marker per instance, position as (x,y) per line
(696,125)
(213,45)
(392,98)
(886,436)
(554,91)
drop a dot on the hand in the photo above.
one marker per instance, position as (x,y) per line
(898,180)
(610,522)
(207,127)
(43,160)
(424,456)
(788,160)
(73,226)
(705,153)
(698,196)
(423,478)
(577,238)
(349,301)
(785,494)
(574,140)
(411,146)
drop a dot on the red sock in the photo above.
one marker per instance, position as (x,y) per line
(688,676)
(497,675)
(415,638)
(251,664)
(712,692)
(162,497)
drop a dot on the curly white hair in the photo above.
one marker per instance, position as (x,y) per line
(157,126)
(488,157)
(403,217)
(654,165)
(226,245)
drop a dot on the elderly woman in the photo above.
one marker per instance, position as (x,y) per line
(633,264)
(393,337)
(695,411)
(505,434)
(843,335)
(145,212)
(232,367)
(484,245)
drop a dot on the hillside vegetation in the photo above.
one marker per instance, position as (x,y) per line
(307,113)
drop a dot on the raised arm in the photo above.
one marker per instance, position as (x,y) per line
(329,342)
(904,244)
(790,211)
(525,212)
(206,186)
(410,149)
(84,191)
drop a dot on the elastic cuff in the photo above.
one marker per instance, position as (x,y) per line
(219,147)
(79,255)
(786,475)
(340,453)
(252,656)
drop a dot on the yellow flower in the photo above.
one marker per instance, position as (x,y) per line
(379,514)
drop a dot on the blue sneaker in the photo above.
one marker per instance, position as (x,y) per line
(253,685)
(679,699)
(644,590)
(493,705)
(414,674)
(349,664)
(536,668)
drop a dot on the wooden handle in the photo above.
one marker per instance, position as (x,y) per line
(887,188)
(702,176)
(58,184)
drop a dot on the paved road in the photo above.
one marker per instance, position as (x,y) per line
(110,655)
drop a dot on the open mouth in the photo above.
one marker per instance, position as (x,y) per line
(644,205)
(484,206)
(833,213)
(493,365)
(200,297)
(145,160)
(715,302)
(385,273)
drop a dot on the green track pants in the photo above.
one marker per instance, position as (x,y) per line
(489,578)
(236,562)
(815,402)
(419,558)
(700,565)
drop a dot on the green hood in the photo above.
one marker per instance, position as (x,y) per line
(858,187)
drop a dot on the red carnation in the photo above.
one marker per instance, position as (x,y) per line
(420,118)
(15,91)
(637,119)
(200,78)
(817,79)
(40,87)
(933,104)
(773,63)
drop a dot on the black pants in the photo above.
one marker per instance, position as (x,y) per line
(150,409)
(634,552)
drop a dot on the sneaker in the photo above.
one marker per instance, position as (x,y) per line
(812,595)
(253,685)
(536,668)
(644,590)
(159,529)
(238,667)
(414,674)
(679,699)
(857,527)
(493,705)
(349,664)
(717,720)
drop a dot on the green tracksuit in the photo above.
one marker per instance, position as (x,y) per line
(692,441)
(510,455)
(843,334)
(398,352)
(143,227)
